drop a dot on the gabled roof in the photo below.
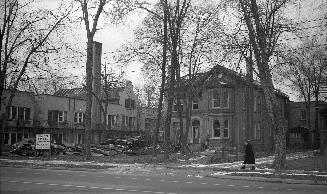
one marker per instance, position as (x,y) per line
(220,75)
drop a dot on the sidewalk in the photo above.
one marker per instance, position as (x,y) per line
(225,171)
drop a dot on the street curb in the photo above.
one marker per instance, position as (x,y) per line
(271,180)
(53,168)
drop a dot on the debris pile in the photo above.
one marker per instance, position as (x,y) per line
(110,147)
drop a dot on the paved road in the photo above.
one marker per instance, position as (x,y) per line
(35,181)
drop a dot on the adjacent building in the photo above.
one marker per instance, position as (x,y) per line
(147,120)
(114,112)
(18,117)
(307,125)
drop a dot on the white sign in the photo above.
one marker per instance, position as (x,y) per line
(42,141)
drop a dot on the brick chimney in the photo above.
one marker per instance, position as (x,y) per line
(96,83)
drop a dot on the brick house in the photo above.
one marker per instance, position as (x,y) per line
(227,110)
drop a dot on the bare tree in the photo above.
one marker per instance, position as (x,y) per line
(264,27)
(25,37)
(114,11)
(151,48)
(195,50)
(305,69)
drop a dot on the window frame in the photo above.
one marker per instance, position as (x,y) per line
(220,99)
(226,128)
(303,110)
(216,98)
(195,102)
(79,117)
(257,131)
(218,129)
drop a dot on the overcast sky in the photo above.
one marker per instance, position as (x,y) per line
(113,37)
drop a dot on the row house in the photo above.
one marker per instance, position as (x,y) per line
(226,110)
(63,113)
(18,117)
(307,125)
(63,116)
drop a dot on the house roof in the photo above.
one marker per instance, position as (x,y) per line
(81,93)
(220,75)
(72,93)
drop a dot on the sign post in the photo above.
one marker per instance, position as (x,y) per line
(42,141)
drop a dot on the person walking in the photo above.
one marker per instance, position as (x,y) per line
(248,156)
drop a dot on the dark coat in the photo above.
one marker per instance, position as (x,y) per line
(249,155)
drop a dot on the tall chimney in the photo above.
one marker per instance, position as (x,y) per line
(96,83)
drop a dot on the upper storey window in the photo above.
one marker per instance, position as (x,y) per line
(195,105)
(129,103)
(16,112)
(57,116)
(220,99)
(79,117)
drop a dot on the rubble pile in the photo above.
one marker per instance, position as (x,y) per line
(110,147)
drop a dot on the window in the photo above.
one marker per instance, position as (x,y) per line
(57,138)
(295,135)
(195,105)
(79,117)
(226,129)
(255,104)
(80,138)
(257,131)
(126,120)
(221,99)
(10,138)
(14,112)
(225,99)
(57,116)
(221,132)
(19,137)
(216,128)
(215,99)
(243,100)
(6,138)
(175,108)
(129,103)
(111,120)
(123,120)
(303,114)
(259,104)
(131,122)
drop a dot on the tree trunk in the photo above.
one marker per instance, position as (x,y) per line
(277,121)
(163,78)
(188,114)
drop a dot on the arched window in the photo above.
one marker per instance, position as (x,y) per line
(196,123)
(216,128)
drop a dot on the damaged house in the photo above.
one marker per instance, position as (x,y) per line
(63,114)
(226,109)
